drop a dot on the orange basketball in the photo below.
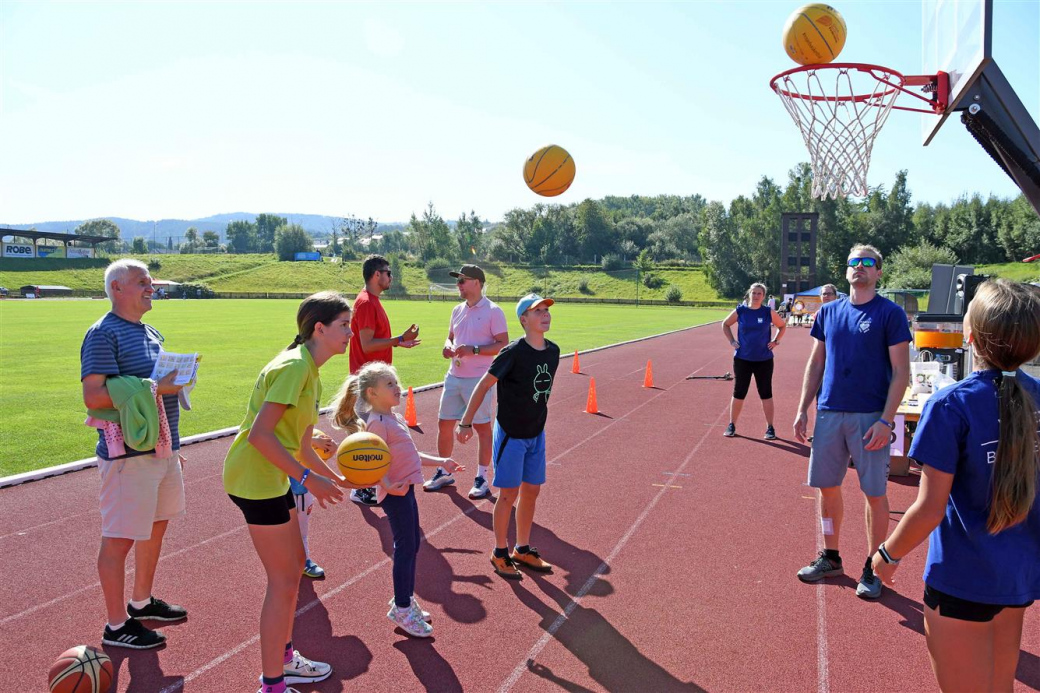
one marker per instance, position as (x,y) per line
(814,34)
(363,458)
(549,171)
(81,669)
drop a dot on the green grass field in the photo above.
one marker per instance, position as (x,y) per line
(41,410)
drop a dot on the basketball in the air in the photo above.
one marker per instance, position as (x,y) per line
(549,171)
(363,458)
(321,451)
(814,34)
(81,669)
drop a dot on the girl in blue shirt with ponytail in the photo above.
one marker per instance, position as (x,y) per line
(979,448)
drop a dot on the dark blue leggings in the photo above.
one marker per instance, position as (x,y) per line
(403,514)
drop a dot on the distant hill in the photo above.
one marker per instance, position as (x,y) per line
(315,224)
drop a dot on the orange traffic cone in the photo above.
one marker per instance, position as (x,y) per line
(591,407)
(409,410)
(648,379)
(576,366)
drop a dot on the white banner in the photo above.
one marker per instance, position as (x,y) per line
(19,250)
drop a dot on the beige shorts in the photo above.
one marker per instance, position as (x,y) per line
(137,492)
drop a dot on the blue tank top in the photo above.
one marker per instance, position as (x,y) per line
(753,331)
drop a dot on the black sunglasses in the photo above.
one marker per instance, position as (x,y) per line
(388,272)
(865,261)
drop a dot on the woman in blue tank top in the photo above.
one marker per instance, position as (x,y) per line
(754,346)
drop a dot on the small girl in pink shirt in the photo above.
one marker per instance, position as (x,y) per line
(366,402)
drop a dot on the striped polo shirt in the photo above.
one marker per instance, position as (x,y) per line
(114,346)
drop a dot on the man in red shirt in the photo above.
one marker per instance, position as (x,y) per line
(371,340)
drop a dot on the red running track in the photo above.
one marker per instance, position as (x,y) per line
(676,552)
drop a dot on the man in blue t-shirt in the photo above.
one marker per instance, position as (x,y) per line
(140,489)
(862,358)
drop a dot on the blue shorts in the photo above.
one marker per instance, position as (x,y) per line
(517,459)
(838,436)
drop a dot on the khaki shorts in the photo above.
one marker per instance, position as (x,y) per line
(455,398)
(137,492)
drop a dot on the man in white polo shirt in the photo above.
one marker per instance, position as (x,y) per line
(476,333)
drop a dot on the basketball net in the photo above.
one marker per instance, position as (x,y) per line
(840,108)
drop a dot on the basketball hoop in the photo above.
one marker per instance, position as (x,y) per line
(840,108)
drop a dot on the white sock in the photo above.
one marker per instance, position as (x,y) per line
(304,518)
(117,627)
(141,604)
(482,471)
(405,609)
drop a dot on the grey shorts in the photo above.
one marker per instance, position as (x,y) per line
(839,436)
(455,398)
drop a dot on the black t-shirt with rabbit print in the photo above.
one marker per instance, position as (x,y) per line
(525,379)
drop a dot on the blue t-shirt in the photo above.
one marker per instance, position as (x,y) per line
(114,346)
(958,434)
(857,338)
(753,331)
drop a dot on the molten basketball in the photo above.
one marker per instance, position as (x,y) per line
(549,171)
(363,458)
(321,451)
(81,669)
(814,34)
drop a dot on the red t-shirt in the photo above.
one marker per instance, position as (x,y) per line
(368,314)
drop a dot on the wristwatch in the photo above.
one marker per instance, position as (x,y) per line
(476,350)
(886,557)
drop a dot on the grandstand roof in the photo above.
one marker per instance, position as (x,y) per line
(54,236)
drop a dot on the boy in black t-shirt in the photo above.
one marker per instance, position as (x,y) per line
(524,371)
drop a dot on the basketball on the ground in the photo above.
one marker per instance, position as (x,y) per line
(549,171)
(363,458)
(814,34)
(81,669)
(321,451)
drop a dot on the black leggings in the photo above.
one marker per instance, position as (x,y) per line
(742,372)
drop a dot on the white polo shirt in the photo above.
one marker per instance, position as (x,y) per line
(475,326)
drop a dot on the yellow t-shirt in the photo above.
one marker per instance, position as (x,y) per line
(290,378)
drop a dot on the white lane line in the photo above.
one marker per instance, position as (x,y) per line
(823,675)
(130,571)
(217,661)
(602,569)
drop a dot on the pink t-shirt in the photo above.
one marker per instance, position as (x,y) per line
(405,463)
(475,326)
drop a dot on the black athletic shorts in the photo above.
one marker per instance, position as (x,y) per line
(963,610)
(266,511)
(742,372)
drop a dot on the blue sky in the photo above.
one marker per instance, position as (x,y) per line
(182,110)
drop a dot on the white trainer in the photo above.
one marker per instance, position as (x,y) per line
(423,614)
(410,622)
(303,670)
(439,480)
(480,488)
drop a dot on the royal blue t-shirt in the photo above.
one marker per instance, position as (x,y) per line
(857,338)
(753,329)
(958,434)
(114,346)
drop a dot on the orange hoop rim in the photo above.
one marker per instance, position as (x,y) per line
(894,80)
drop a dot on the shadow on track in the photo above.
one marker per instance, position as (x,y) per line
(143,669)
(312,636)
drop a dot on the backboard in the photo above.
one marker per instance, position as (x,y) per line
(957,38)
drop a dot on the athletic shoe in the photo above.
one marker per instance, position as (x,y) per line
(424,615)
(809,439)
(506,568)
(531,560)
(364,496)
(133,635)
(158,610)
(480,488)
(287,688)
(313,570)
(731,430)
(410,622)
(869,586)
(440,479)
(822,567)
(303,670)
(770,433)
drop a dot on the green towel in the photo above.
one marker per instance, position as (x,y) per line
(135,411)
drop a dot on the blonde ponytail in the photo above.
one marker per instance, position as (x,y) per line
(344,412)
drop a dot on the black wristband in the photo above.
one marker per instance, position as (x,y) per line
(886,556)
(462,425)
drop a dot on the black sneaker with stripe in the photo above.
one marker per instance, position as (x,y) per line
(133,635)
(157,610)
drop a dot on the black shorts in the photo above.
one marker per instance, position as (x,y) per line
(742,372)
(266,511)
(963,610)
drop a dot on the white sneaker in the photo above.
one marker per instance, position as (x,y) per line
(410,622)
(480,488)
(303,670)
(424,615)
(287,689)
(440,479)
